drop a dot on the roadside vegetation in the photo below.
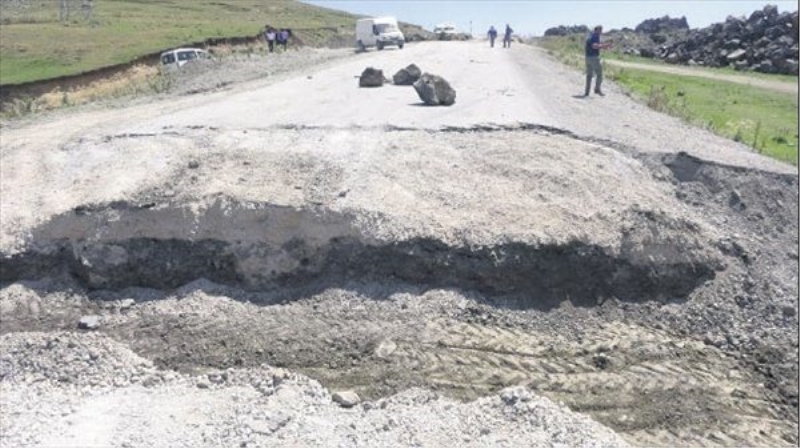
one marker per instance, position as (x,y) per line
(762,119)
(37,45)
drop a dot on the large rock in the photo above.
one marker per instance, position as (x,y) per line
(371,77)
(736,55)
(434,90)
(407,76)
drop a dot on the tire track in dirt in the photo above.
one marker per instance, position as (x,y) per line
(641,382)
(652,387)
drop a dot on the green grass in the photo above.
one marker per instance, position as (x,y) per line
(612,55)
(34,45)
(763,119)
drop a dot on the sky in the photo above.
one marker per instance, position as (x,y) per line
(533,17)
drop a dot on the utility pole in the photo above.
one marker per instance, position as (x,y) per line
(63,12)
(87,6)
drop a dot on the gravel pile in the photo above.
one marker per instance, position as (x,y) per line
(67,359)
(57,386)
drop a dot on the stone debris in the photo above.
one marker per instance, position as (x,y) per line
(435,90)
(371,77)
(347,398)
(385,349)
(89,322)
(407,76)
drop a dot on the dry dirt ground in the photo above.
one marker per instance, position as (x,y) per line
(521,246)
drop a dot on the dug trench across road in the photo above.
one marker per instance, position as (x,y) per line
(591,249)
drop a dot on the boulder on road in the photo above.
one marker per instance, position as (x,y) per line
(434,90)
(407,76)
(371,77)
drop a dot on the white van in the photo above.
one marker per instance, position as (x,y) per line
(378,32)
(175,59)
(445,28)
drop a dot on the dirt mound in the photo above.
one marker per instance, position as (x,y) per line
(245,407)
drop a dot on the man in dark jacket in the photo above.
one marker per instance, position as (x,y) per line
(593,66)
(492,35)
(507,36)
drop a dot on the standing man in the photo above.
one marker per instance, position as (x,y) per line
(593,66)
(270,36)
(507,37)
(492,35)
(284,38)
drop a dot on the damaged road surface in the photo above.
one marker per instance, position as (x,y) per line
(379,246)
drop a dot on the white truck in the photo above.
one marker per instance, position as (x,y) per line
(378,32)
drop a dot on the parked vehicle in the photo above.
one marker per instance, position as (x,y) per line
(378,32)
(445,28)
(177,58)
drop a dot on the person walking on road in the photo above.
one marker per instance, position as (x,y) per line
(492,35)
(507,37)
(593,66)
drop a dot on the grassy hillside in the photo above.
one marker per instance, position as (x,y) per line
(35,44)
(762,119)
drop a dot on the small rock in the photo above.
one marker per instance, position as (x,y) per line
(737,393)
(203,384)
(194,164)
(385,349)
(601,362)
(788,311)
(89,322)
(346,399)
(218,378)
(735,200)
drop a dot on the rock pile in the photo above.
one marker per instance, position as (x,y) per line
(765,42)
(79,359)
(562,30)
(662,24)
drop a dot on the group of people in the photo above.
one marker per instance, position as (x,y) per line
(276,37)
(506,36)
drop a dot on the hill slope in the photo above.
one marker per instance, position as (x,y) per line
(36,45)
